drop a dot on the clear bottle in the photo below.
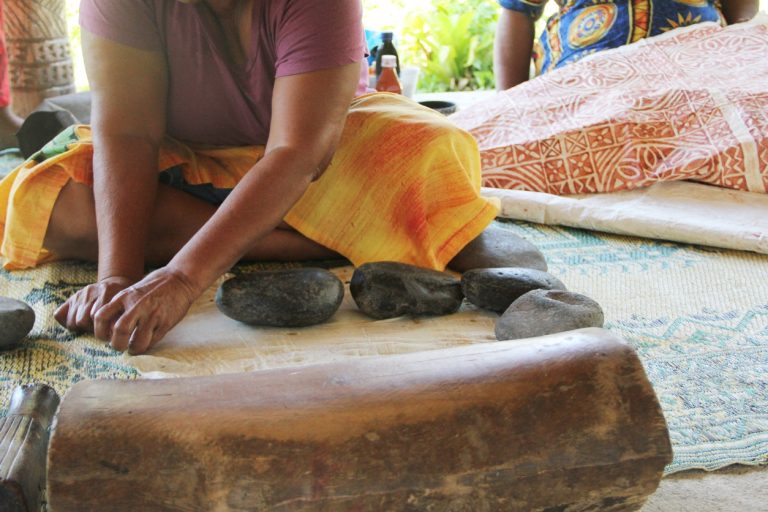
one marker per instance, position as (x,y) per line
(388,81)
(386,48)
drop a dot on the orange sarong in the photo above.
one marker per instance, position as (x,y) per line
(403,186)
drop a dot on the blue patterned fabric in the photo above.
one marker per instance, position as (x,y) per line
(583,27)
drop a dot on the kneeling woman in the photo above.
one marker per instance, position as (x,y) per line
(242,108)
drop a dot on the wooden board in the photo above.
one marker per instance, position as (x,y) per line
(563,422)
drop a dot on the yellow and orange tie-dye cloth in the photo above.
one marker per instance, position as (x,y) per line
(403,186)
(691,104)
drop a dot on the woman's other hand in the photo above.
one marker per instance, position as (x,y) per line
(139,316)
(76,314)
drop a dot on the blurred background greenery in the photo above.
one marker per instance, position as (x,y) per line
(451,41)
(73,7)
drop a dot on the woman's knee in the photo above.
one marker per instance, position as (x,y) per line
(71,229)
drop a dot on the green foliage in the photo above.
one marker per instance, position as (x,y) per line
(72,12)
(452,42)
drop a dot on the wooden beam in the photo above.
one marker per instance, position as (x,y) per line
(563,422)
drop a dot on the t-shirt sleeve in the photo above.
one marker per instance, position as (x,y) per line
(532,8)
(129,22)
(313,35)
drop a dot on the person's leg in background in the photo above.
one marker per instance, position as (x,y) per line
(9,122)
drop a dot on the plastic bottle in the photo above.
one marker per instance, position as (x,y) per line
(386,48)
(388,81)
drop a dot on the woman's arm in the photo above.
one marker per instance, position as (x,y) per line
(512,48)
(737,11)
(128,88)
(308,114)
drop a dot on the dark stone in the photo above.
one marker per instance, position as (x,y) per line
(16,320)
(496,288)
(497,247)
(40,128)
(281,298)
(387,289)
(541,312)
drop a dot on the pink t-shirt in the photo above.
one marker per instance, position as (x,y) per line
(210,99)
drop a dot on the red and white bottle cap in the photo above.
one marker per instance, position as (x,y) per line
(388,61)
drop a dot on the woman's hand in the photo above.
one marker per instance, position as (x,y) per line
(76,314)
(140,315)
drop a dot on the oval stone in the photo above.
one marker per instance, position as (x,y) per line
(497,247)
(542,312)
(388,289)
(281,298)
(496,288)
(16,320)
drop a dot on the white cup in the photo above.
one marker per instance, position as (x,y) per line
(409,77)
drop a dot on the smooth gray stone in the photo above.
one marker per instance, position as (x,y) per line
(281,298)
(16,320)
(541,312)
(497,247)
(388,289)
(496,288)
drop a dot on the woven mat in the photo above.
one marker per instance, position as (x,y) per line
(698,317)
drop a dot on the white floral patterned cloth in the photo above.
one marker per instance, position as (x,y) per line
(689,104)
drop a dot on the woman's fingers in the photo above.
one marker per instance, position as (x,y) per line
(83,320)
(72,319)
(159,333)
(76,314)
(72,314)
(105,318)
(125,329)
(128,321)
(97,304)
(142,337)
(61,313)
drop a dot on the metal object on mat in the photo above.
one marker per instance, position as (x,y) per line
(24,436)
(562,422)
